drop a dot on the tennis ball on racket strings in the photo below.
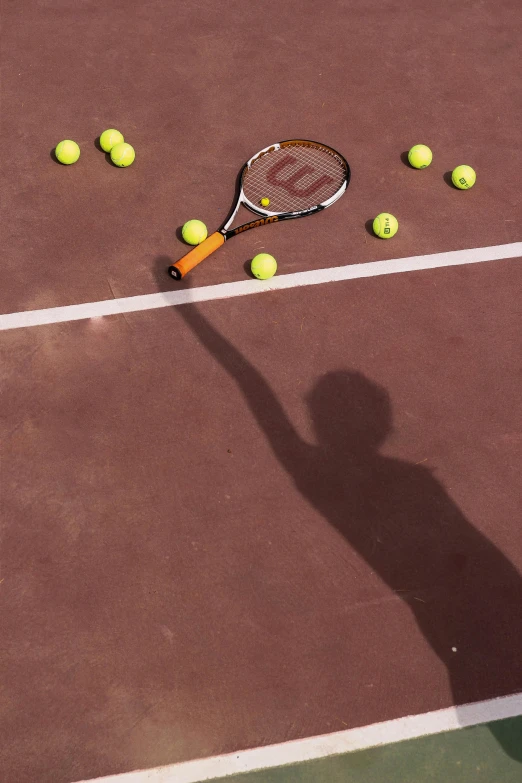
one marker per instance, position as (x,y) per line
(194,232)
(122,154)
(265,202)
(110,138)
(463,177)
(263,266)
(67,152)
(385,225)
(420,156)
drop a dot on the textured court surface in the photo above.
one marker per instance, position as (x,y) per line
(230,524)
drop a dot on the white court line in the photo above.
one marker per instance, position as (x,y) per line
(378,734)
(133,304)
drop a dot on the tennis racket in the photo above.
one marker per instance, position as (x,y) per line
(298,177)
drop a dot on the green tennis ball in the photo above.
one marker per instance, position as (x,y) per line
(110,138)
(463,177)
(67,152)
(263,266)
(385,225)
(194,232)
(122,154)
(420,156)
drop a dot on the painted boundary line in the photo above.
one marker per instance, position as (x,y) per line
(134,304)
(312,748)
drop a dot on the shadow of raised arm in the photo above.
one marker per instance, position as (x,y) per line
(285,442)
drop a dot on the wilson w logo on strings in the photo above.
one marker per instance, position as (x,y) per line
(275,176)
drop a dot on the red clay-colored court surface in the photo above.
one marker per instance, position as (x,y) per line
(251,524)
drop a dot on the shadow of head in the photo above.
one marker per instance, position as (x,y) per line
(349,412)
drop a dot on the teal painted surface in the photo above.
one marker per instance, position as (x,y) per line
(487,754)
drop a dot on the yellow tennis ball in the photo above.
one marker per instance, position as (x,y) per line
(265,202)
(194,232)
(420,156)
(110,138)
(385,225)
(122,154)
(463,177)
(67,152)
(263,266)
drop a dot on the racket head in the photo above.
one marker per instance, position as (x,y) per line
(298,177)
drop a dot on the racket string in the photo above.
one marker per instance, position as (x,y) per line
(295,177)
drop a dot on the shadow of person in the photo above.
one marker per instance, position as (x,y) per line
(508,734)
(464,593)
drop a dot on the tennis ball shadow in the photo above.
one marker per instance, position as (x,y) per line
(369,227)
(247,266)
(447,179)
(404,158)
(53,157)
(109,161)
(106,155)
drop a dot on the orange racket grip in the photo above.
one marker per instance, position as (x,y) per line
(196,256)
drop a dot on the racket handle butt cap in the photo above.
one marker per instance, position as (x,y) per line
(196,256)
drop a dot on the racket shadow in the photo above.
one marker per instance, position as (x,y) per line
(397,516)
